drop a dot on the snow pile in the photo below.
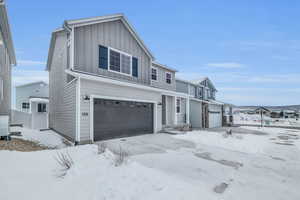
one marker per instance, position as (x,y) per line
(33,175)
(45,138)
(236,142)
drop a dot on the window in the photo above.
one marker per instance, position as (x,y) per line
(103,57)
(25,105)
(199,92)
(134,67)
(168,78)
(114,59)
(42,107)
(126,64)
(154,74)
(178,105)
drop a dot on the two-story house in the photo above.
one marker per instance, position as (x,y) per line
(205,111)
(104,82)
(7,59)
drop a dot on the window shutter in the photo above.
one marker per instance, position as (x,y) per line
(103,57)
(134,67)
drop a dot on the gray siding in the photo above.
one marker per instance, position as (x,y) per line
(161,79)
(62,101)
(196,114)
(182,87)
(5,75)
(113,34)
(24,92)
(104,89)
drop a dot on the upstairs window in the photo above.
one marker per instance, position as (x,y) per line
(199,92)
(168,78)
(114,61)
(1,89)
(178,105)
(154,74)
(103,57)
(42,107)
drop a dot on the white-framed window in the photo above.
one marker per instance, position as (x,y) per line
(178,105)
(168,77)
(153,74)
(199,92)
(25,105)
(120,62)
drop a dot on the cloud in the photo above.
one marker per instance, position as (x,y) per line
(20,77)
(30,63)
(226,65)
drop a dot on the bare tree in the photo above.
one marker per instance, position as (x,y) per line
(65,161)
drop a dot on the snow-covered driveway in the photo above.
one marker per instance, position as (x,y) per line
(248,166)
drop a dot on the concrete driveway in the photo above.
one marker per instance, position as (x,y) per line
(145,144)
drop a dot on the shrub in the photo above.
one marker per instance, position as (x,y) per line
(102,147)
(65,161)
(121,157)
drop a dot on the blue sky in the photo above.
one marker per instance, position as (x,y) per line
(249,49)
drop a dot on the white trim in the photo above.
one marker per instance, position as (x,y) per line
(72,55)
(166,78)
(92,97)
(120,52)
(93,77)
(78,101)
(175,106)
(187,110)
(156,74)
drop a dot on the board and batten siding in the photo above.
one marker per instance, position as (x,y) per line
(62,95)
(5,76)
(88,87)
(182,87)
(161,79)
(112,34)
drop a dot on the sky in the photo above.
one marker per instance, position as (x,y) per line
(249,49)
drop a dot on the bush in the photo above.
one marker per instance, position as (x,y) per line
(65,161)
(121,157)
(102,147)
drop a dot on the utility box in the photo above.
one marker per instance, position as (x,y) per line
(4,126)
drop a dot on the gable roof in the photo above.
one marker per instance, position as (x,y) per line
(32,83)
(163,66)
(201,80)
(6,33)
(97,20)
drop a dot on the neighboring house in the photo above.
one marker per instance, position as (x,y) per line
(24,93)
(104,82)
(7,59)
(32,102)
(205,111)
(289,113)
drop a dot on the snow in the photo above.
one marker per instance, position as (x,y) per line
(46,138)
(251,166)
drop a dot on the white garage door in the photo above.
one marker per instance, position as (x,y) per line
(215,116)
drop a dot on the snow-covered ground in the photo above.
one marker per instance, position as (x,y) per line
(46,138)
(197,165)
(241,118)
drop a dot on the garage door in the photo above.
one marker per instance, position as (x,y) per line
(215,116)
(113,118)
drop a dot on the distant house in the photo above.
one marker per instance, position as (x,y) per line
(32,102)
(7,59)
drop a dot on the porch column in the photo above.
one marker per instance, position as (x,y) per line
(187,110)
(175,113)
